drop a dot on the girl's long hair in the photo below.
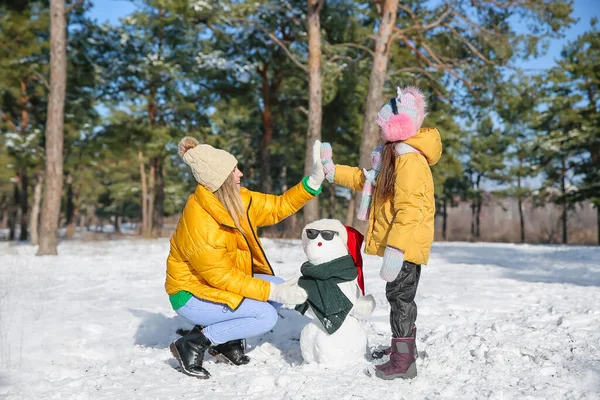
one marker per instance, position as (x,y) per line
(229,195)
(384,189)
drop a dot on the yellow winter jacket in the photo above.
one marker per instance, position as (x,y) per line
(406,221)
(212,259)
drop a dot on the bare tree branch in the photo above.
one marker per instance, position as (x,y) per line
(468,44)
(356,45)
(437,63)
(449,10)
(347,58)
(475,25)
(278,42)
(420,27)
(419,54)
(447,69)
(73,5)
(510,3)
(288,52)
(7,119)
(416,70)
(408,11)
(303,110)
(42,79)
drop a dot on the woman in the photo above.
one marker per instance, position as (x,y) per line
(401,217)
(218,276)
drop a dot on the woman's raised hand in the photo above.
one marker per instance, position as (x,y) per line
(317,174)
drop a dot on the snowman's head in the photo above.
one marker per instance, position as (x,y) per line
(324,240)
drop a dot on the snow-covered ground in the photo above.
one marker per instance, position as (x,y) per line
(495,321)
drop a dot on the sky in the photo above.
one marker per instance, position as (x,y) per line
(584,11)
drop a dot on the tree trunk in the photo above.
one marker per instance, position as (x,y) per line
(145,220)
(14,210)
(370,131)
(159,196)
(70,232)
(151,193)
(24,203)
(4,222)
(520,201)
(598,222)
(4,209)
(83,222)
(266,182)
(478,211)
(563,189)
(22,171)
(473,207)
(116,226)
(444,218)
(521,219)
(290,223)
(34,221)
(54,129)
(315,97)
(350,211)
(331,211)
(478,218)
(92,218)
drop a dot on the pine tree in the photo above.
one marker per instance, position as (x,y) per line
(23,67)
(485,146)
(149,65)
(579,64)
(515,105)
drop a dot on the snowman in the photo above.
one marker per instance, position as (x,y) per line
(333,280)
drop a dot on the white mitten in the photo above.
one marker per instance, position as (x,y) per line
(288,293)
(317,174)
(392,264)
(364,306)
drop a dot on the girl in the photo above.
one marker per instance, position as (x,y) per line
(401,215)
(218,276)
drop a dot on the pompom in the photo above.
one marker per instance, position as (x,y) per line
(399,127)
(187,143)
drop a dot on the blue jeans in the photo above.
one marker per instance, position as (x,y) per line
(222,324)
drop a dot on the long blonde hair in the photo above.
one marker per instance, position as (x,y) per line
(229,195)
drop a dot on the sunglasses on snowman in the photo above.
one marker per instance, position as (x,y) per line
(325,234)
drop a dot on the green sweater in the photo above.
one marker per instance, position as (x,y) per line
(179,299)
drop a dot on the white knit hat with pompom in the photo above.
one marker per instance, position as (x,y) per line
(210,166)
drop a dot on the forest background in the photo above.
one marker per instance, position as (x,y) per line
(512,87)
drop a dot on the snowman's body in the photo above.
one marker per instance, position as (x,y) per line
(348,344)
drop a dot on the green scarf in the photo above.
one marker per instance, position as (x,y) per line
(326,299)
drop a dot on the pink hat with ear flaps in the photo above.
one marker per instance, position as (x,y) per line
(402,117)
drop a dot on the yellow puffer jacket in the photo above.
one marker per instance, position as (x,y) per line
(406,222)
(212,259)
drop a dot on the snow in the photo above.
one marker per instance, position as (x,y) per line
(495,321)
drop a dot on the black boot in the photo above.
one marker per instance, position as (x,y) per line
(189,351)
(230,352)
